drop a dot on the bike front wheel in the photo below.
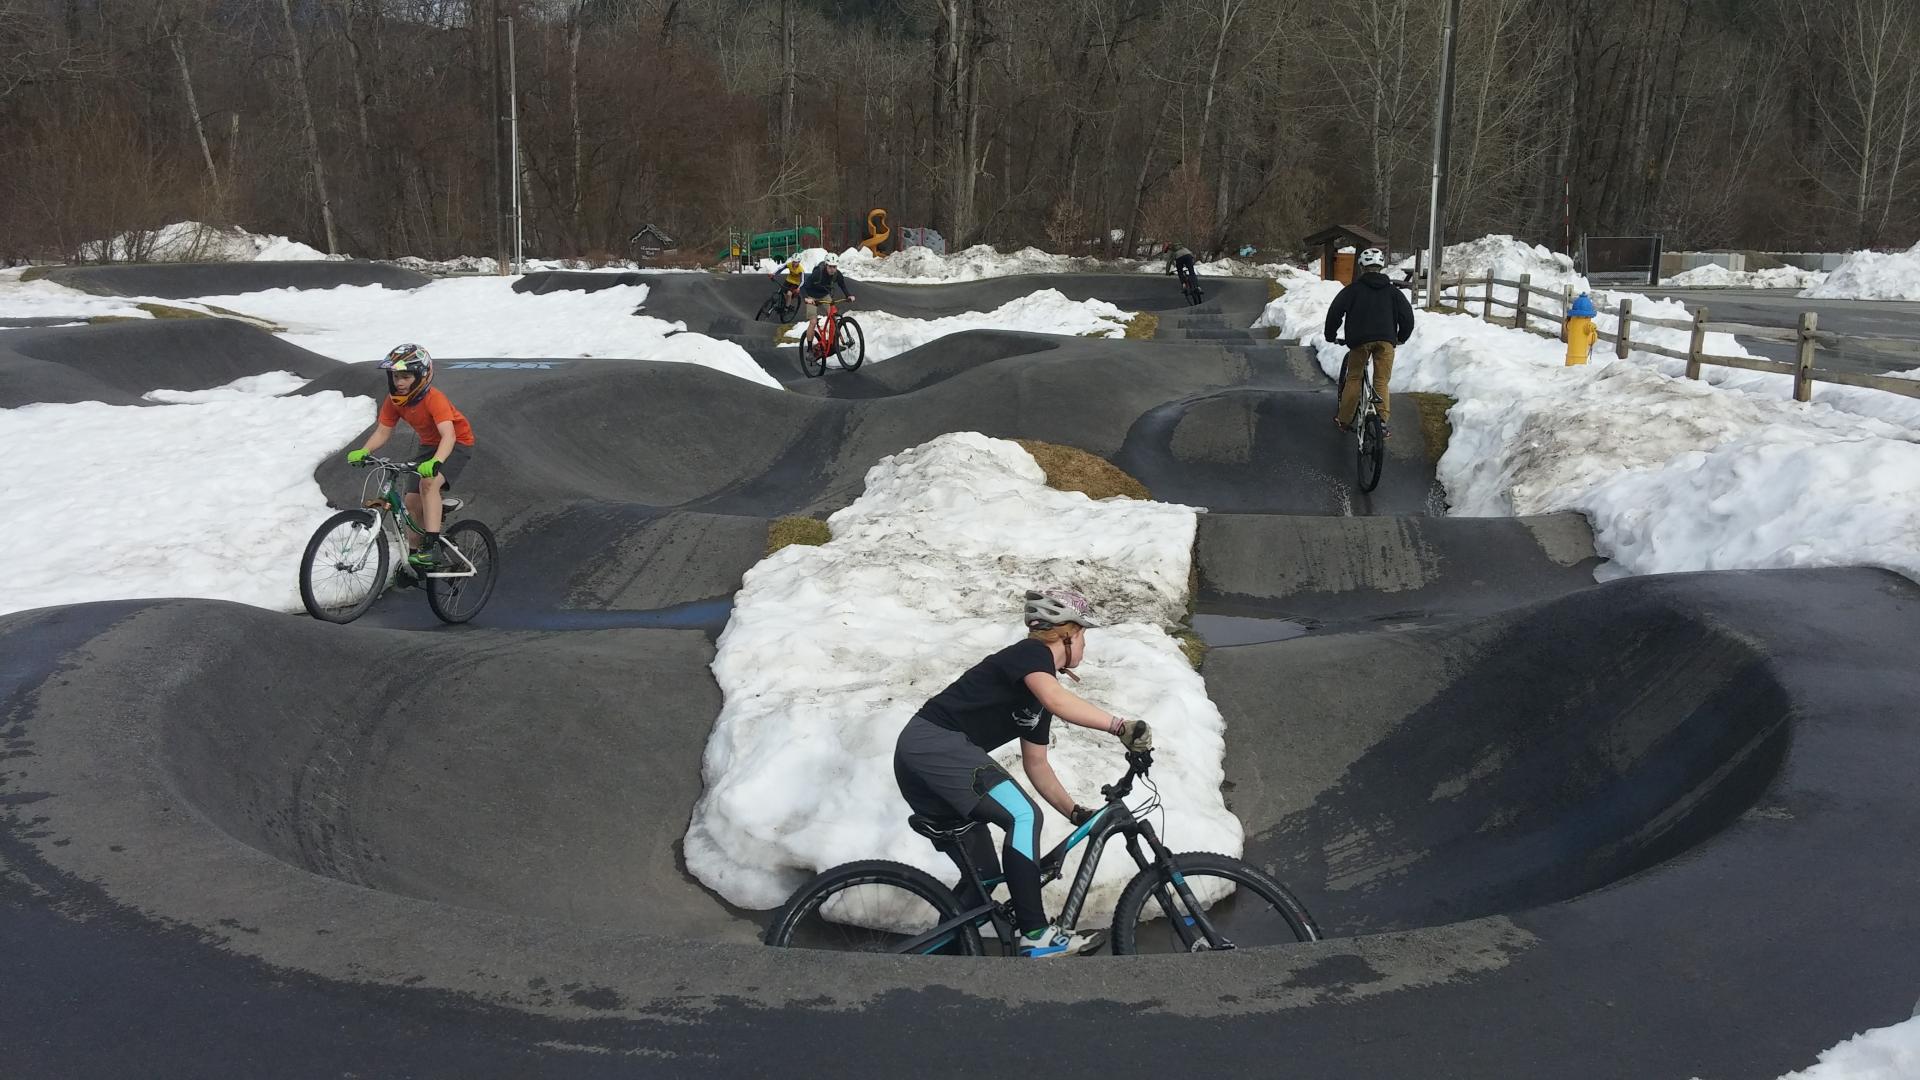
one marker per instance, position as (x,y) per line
(344,566)
(874,906)
(851,346)
(1243,906)
(1372,452)
(811,361)
(457,599)
(769,309)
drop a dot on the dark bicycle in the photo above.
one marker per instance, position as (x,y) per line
(1202,902)
(781,307)
(1190,288)
(1369,433)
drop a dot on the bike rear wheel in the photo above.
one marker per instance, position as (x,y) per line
(457,599)
(1244,905)
(344,567)
(851,344)
(1372,452)
(873,906)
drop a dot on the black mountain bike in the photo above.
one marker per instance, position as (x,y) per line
(1369,433)
(781,307)
(1190,288)
(1200,901)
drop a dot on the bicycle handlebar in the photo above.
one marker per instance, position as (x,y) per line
(1139,762)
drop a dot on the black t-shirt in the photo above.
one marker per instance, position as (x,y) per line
(991,704)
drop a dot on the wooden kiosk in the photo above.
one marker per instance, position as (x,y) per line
(1335,266)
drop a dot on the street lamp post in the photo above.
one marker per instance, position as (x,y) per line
(1442,125)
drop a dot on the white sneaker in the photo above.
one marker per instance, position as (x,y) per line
(1054,941)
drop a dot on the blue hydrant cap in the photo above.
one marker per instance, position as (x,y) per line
(1583,307)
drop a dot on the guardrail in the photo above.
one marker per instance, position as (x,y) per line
(1808,336)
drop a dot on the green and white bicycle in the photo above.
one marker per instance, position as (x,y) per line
(346,565)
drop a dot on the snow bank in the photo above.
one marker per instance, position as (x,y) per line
(1044,312)
(1888,1053)
(150,514)
(1507,258)
(1715,276)
(484,317)
(831,649)
(45,299)
(485,264)
(194,241)
(922,265)
(1675,474)
(1872,275)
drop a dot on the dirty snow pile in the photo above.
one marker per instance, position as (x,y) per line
(1888,1053)
(484,317)
(1715,276)
(1873,275)
(164,519)
(1044,312)
(194,241)
(919,265)
(830,650)
(1674,474)
(1507,258)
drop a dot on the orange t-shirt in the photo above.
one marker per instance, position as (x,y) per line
(425,415)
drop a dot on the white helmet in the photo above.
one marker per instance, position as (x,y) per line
(1374,257)
(1049,607)
(834,260)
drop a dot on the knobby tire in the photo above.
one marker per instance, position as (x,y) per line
(1289,918)
(791,923)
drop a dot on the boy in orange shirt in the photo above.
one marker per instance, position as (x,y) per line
(411,397)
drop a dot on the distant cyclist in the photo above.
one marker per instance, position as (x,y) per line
(1180,261)
(942,765)
(1378,318)
(446,440)
(817,287)
(788,279)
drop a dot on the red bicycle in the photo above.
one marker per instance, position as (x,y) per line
(840,338)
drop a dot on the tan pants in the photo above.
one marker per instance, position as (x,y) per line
(1353,370)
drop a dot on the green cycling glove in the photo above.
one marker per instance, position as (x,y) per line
(428,467)
(357,457)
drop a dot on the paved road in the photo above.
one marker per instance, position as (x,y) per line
(1896,322)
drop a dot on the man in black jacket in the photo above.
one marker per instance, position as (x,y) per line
(1378,318)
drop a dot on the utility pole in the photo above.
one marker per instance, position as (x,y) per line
(1442,130)
(502,168)
(513,123)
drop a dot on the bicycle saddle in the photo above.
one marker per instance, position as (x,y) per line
(449,504)
(936,830)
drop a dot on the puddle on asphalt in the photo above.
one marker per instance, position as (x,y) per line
(1222,630)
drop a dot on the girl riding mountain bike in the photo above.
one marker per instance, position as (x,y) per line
(942,765)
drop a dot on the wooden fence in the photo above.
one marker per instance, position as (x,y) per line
(1456,295)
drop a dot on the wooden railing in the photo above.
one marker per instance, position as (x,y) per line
(1455,295)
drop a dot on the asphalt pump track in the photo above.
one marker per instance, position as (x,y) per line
(1662,826)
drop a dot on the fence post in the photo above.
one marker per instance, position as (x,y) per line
(1698,346)
(1803,371)
(1487,314)
(1520,313)
(1566,306)
(1626,329)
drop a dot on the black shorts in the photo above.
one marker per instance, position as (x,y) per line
(449,469)
(941,773)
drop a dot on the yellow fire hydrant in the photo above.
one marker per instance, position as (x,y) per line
(1581,334)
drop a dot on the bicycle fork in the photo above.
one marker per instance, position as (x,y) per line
(1183,924)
